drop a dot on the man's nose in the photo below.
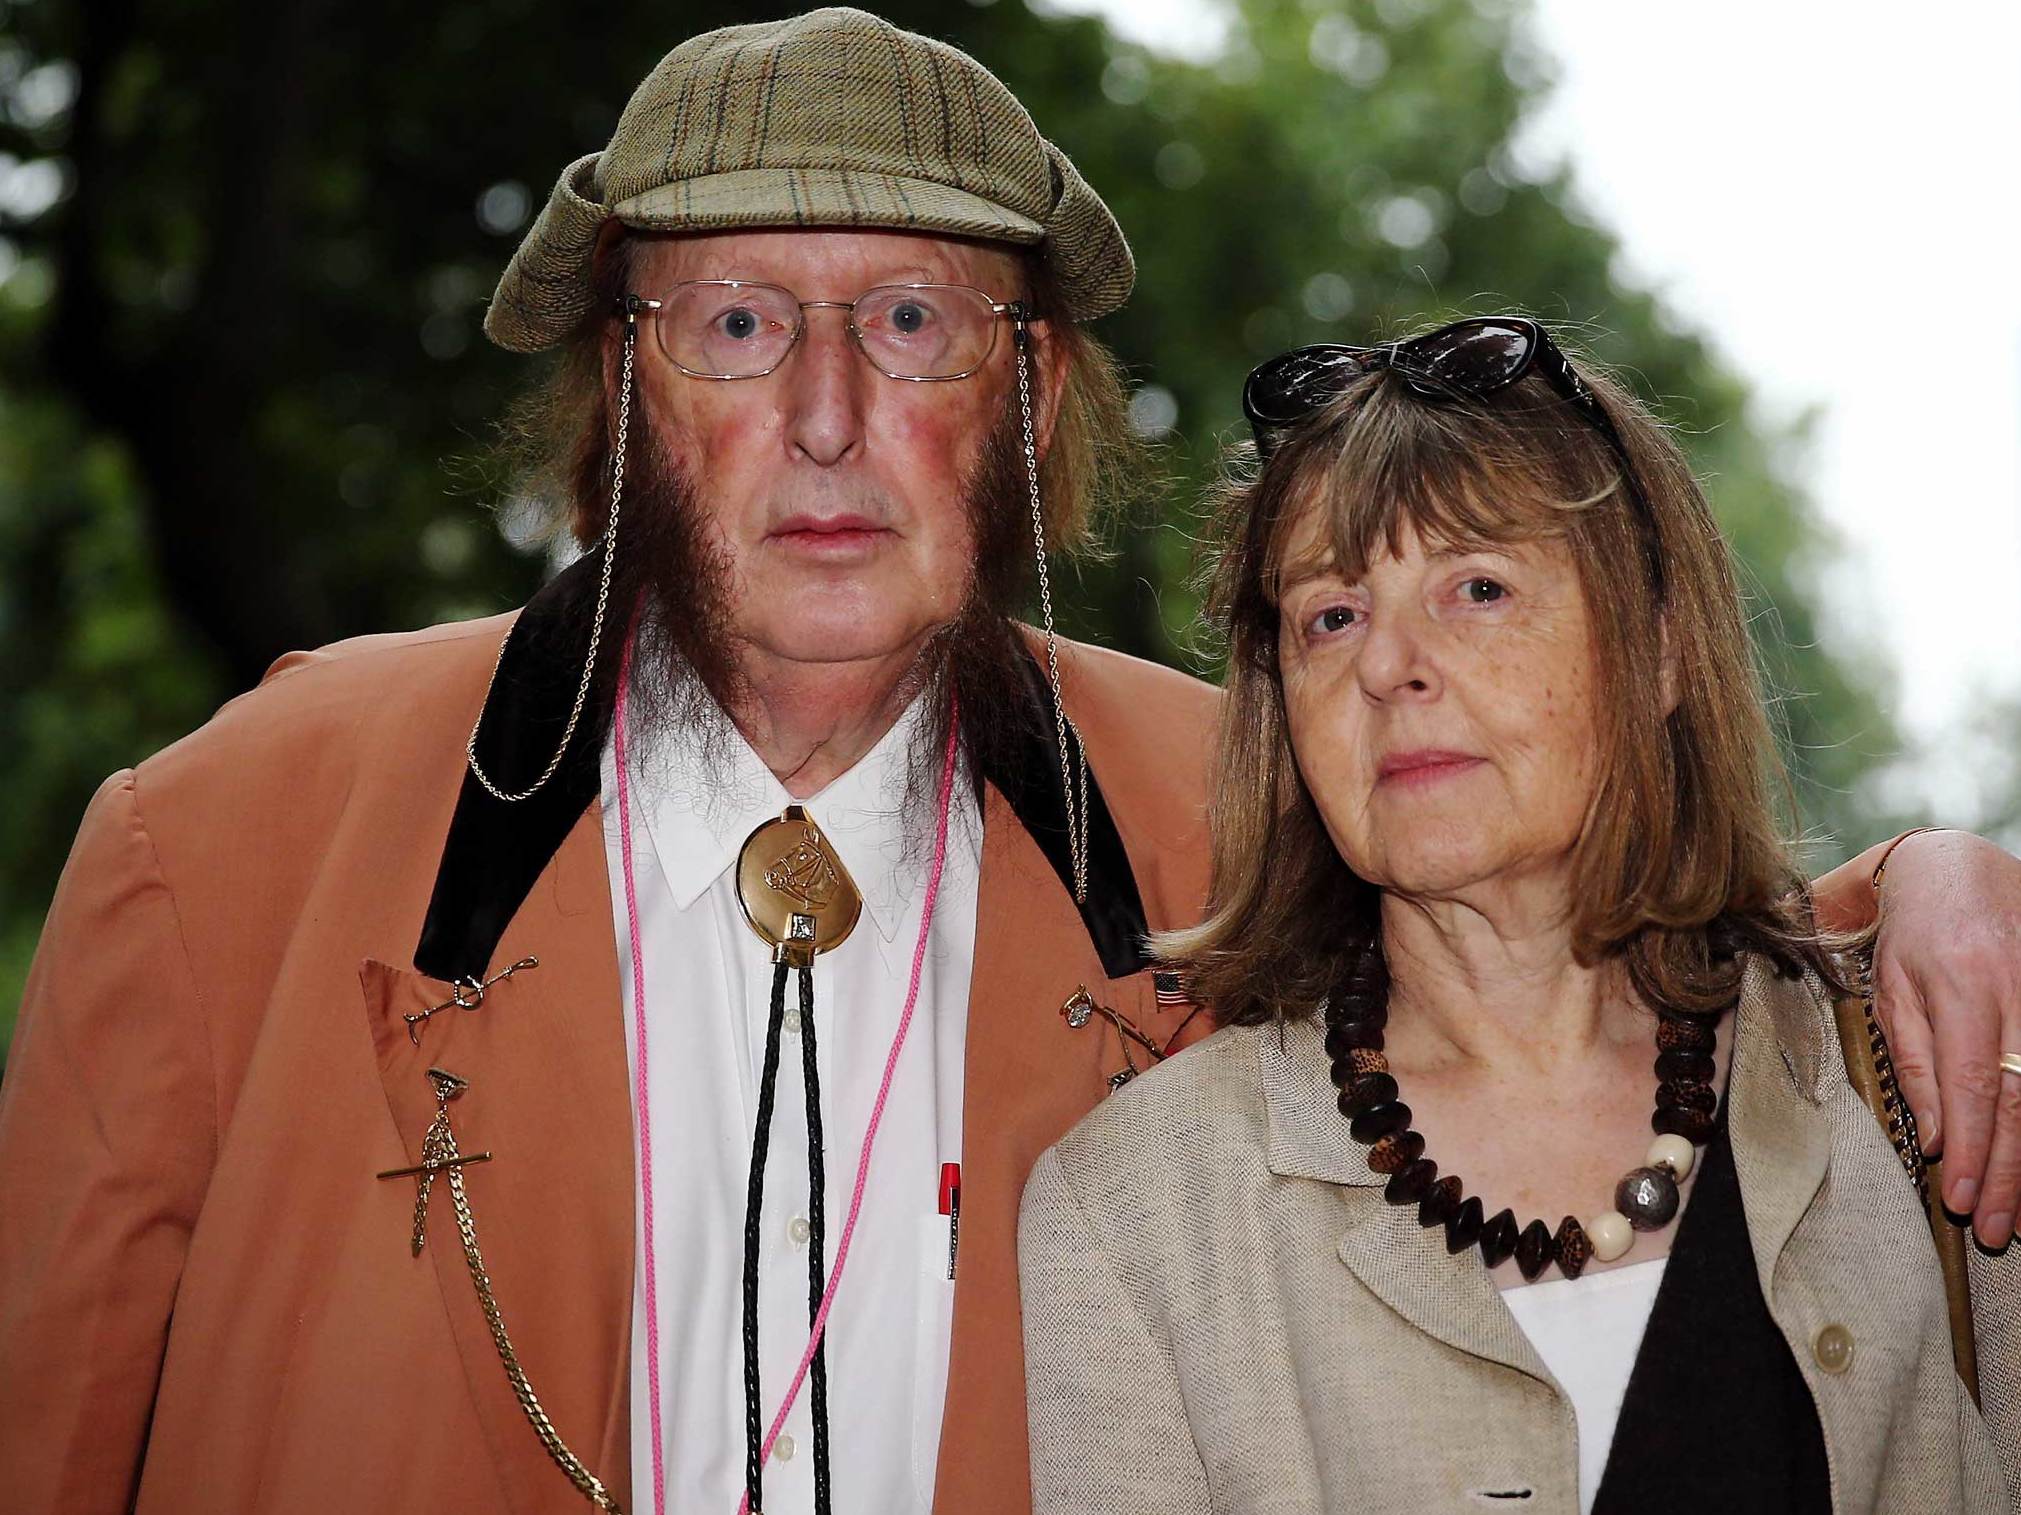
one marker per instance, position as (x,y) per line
(827,384)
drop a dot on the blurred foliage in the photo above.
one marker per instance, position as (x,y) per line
(245,249)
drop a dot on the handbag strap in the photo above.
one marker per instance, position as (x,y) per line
(1872,1072)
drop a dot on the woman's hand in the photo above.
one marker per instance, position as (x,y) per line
(1947,986)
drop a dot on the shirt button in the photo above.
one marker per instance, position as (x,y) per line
(1833,1348)
(783,1448)
(791,1021)
(799,1230)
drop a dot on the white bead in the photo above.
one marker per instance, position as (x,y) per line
(1674,1152)
(1610,1234)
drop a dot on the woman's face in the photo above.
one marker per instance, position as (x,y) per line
(1441,708)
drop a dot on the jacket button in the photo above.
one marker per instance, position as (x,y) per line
(1833,1348)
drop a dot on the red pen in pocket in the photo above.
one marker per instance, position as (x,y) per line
(950,1206)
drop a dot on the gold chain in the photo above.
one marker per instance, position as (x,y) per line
(438,1153)
(1077,826)
(610,538)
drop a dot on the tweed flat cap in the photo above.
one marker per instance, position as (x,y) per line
(834,118)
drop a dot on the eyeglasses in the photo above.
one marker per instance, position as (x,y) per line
(734,329)
(1468,359)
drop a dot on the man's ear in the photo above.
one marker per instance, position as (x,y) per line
(1049,382)
(611,244)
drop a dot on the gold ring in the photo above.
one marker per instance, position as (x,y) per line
(2010,1062)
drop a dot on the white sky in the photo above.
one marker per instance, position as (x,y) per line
(1833,192)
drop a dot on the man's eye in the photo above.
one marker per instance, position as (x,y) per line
(1482,591)
(740,324)
(907,318)
(1334,618)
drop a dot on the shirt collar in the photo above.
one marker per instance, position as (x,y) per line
(702,792)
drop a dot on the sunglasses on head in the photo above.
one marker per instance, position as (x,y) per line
(1465,360)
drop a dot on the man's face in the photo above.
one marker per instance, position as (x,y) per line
(831,495)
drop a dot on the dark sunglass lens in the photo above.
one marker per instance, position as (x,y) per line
(1475,356)
(1290,387)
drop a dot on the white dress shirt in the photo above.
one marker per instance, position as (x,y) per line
(708,985)
(1589,1333)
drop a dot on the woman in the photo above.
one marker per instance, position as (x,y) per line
(1497,891)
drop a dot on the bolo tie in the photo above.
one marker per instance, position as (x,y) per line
(800,900)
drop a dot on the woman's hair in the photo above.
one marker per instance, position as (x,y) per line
(558,437)
(1679,862)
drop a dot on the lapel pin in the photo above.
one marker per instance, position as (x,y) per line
(464,994)
(1082,1007)
(438,1153)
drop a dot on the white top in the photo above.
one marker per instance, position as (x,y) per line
(708,990)
(1588,1331)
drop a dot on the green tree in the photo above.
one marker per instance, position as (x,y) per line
(246,248)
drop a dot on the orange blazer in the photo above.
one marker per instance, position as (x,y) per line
(208,1302)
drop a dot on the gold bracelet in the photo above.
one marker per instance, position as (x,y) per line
(1890,851)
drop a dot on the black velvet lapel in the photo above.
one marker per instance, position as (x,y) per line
(1716,1417)
(494,850)
(1029,777)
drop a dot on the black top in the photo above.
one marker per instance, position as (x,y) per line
(1716,1418)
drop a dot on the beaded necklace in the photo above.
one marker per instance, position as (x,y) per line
(1646,1199)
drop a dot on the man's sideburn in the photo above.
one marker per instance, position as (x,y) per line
(684,666)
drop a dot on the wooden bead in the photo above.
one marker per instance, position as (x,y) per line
(1498,1238)
(1355,1031)
(1572,1247)
(1674,1153)
(1676,1033)
(1410,1183)
(1367,1060)
(1441,1201)
(1647,1197)
(1533,1249)
(1366,1092)
(1681,1095)
(1393,1152)
(1463,1229)
(1695,1066)
(1373,1124)
(1692,1125)
(1610,1235)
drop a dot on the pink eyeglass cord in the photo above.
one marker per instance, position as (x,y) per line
(641,1089)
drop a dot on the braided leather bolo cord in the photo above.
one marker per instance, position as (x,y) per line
(754,1204)
(817,1243)
(817,1247)
(585,1481)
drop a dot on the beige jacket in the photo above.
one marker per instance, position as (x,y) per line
(1222,1312)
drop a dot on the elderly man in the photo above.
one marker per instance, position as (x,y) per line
(593,1055)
